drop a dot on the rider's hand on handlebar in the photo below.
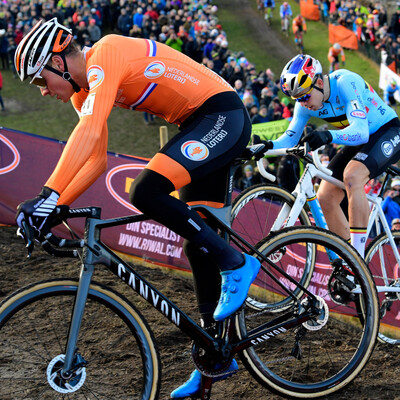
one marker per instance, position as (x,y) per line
(316,139)
(267,143)
(36,216)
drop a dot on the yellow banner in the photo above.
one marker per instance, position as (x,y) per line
(270,130)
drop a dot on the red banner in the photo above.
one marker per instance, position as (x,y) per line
(26,161)
(309,10)
(345,37)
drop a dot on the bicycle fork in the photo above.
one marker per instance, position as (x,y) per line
(71,362)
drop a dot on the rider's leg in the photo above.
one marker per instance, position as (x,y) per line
(330,197)
(355,176)
(186,160)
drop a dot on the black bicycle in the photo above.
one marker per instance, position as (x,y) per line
(305,345)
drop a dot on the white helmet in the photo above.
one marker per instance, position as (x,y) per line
(299,75)
(36,48)
(336,46)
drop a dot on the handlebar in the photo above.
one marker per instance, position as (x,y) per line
(297,150)
(52,244)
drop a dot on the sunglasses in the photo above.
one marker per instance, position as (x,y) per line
(37,79)
(305,96)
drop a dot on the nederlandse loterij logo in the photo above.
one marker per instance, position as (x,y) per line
(154,70)
(194,150)
(8,162)
(95,76)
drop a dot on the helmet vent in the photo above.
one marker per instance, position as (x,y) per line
(303,79)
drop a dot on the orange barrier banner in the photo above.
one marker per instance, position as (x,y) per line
(309,10)
(345,37)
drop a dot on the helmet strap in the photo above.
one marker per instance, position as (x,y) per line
(65,75)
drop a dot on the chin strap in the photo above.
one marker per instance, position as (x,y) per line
(65,75)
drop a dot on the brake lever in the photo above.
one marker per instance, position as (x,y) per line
(26,232)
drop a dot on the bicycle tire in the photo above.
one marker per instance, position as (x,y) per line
(377,252)
(254,212)
(331,356)
(115,340)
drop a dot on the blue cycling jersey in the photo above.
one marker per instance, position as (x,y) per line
(353,106)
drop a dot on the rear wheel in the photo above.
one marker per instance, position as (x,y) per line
(326,353)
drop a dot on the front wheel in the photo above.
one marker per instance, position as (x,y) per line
(117,356)
(327,352)
(385,269)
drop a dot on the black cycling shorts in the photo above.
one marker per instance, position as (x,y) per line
(208,141)
(382,150)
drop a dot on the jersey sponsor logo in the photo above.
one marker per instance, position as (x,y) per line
(9,156)
(194,150)
(361,156)
(95,76)
(387,149)
(323,112)
(154,70)
(87,106)
(358,114)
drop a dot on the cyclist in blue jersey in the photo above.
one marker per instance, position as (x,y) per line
(285,12)
(390,90)
(368,128)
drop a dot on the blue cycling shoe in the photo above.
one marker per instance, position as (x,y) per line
(235,286)
(192,386)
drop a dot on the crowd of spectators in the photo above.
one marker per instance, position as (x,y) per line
(377,31)
(189,26)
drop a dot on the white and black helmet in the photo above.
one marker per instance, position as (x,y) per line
(36,48)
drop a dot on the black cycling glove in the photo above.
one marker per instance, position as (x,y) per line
(316,139)
(34,212)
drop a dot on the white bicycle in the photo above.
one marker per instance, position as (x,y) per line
(270,208)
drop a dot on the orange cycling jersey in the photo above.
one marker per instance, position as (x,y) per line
(131,73)
(334,54)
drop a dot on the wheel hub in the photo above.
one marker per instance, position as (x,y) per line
(60,383)
(321,319)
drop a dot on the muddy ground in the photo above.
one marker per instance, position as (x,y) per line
(379,380)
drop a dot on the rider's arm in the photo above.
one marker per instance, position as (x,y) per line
(350,87)
(293,133)
(85,155)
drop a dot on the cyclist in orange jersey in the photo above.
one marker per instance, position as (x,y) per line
(144,75)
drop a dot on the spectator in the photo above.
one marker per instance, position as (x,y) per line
(391,203)
(261,116)
(124,23)
(138,17)
(94,31)
(390,90)
(395,224)
(174,42)
(248,178)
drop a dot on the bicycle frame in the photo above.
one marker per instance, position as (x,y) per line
(96,252)
(304,192)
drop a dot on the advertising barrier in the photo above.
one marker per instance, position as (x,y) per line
(26,162)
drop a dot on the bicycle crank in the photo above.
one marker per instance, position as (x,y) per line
(66,384)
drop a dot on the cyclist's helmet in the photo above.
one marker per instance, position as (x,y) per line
(336,46)
(36,48)
(299,75)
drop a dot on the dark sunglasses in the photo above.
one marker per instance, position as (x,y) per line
(304,98)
